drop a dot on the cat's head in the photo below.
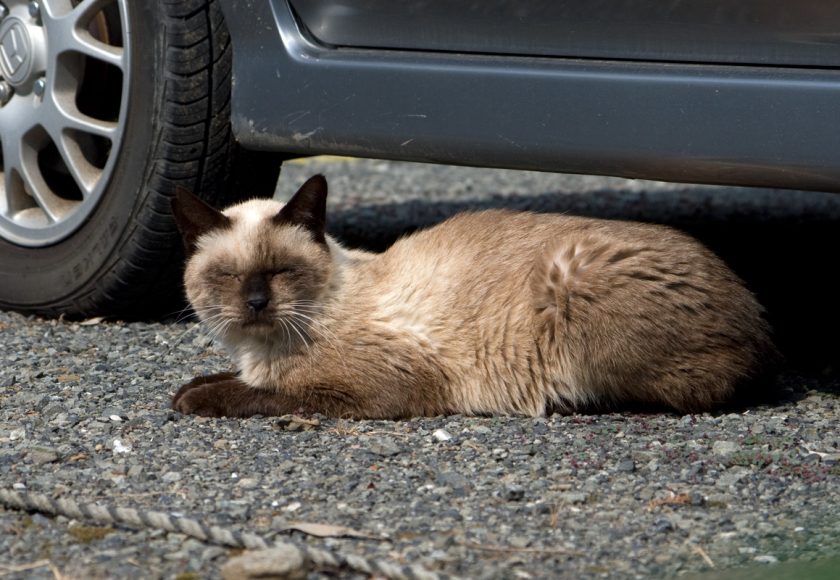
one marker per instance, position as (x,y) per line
(257,265)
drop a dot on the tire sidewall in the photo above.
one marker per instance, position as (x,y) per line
(46,278)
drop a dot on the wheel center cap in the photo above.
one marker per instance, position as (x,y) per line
(19,51)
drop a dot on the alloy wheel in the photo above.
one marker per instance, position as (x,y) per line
(64,83)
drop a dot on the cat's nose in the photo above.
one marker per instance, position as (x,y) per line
(257,292)
(257,302)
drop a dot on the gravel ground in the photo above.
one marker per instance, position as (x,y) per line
(84,414)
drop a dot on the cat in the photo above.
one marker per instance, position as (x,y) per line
(493,312)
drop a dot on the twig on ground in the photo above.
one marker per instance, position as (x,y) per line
(702,553)
(8,569)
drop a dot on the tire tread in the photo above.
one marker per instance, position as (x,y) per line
(195,151)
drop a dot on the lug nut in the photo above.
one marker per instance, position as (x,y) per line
(3,11)
(35,10)
(39,87)
(6,92)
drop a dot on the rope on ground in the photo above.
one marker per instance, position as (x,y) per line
(133,518)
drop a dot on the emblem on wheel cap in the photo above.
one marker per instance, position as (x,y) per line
(15,51)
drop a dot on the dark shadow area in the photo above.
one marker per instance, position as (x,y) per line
(784,244)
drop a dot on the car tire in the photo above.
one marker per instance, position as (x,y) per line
(112,248)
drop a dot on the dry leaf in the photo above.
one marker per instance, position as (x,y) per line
(681,499)
(327,531)
(92,321)
(295,423)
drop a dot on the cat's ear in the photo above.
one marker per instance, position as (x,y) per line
(307,208)
(194,218)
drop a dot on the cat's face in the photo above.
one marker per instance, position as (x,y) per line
(259,267)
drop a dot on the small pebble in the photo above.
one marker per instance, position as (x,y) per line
(171,476)
(513,492)
(441,435)
(724,447)
(284,561)
(385,447)
(626,466)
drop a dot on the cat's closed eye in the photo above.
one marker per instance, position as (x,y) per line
(282,270)
(232,275)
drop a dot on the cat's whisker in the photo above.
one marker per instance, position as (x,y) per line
(300,331)
(298,318)
(318,326)
(305,302)
(323,331)
(301,314)
(266,341)
(210,319)
(309,309)
(289,328)
(180,338)
(211,314)
(302,320)
(218,322)
(288,333)
(197,327)
(217,327)
(181,314)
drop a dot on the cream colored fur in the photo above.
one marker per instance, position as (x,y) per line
(493,312)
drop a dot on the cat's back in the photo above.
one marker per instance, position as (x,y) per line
(491,257)
(476,233)
(587,308)
(479,265)
(501,233)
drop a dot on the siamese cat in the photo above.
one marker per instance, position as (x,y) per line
(492,312)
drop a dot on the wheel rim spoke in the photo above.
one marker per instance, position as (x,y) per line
(13,191)
(54,207)
(84,174)
(86,44)
(80,122)
(69,31)
(28,198)
(87,9)
(53,9)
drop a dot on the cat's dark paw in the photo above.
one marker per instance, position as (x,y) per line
(207,396)
(197,401)
(202,380)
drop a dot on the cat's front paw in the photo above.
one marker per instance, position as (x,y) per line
(203,380)
(207,396)
(197,401)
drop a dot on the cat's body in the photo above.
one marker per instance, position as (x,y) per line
(493,312)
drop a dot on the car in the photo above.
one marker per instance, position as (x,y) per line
(107,107)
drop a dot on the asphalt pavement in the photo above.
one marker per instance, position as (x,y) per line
(84,418)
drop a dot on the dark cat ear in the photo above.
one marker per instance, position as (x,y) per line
(194,217)
(307,208)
